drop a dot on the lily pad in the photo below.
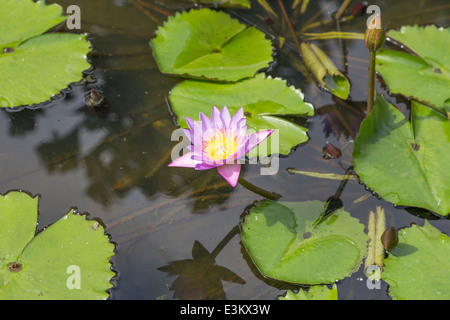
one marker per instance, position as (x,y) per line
(282,242)
(405,163)
(264,100)
(419,267)
(68,260)
(423,75)
(314,293)
(210,44)
(34,66)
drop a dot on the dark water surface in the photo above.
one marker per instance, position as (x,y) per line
(113,164)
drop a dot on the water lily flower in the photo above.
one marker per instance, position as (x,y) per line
(219,142)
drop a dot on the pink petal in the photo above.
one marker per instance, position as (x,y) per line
(184,161)
(204,166)
(204,122)
(242,124)
(230,172)
(215,118)
(257,138)
(190,123)
(237,116)
(195,130)
(225,117)
(187,133)
(243,148)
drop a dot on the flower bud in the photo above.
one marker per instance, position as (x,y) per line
(389,238)
(375,35)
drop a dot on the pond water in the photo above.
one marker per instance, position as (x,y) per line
(112,164)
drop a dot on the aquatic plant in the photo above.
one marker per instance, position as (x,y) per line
(219,142)
(421,70)
(68,260)
(37,65)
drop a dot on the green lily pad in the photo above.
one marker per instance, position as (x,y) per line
(405,163)
(68,260)
(264,99)
(314,293)
(34,66)
(210,44)
(419,267)
(283,244)
(424,76)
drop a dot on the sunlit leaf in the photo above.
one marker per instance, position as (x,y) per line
(210,44)
(313,293)
(34,67)
(41,17)
(68,260)
(405,162)
(424,75)
(419,267)
(264,100)
(282,242)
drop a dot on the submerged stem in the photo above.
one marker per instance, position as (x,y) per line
(342,9)
(258,190)
(288,21)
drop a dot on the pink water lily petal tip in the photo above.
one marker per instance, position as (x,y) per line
(230,172)
(185,161)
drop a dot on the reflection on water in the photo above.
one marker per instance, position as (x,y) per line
(191,283)
(176,228)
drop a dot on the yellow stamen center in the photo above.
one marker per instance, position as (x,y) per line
(220,145)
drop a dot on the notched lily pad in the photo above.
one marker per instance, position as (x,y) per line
(35,66)
(264,100)
(313,293)
(284,244)
(404,162)
(418,268)
(210,44)
(423,75)
(68,260)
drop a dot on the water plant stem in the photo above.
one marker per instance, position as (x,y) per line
(342,9)
(258,190)
(371,89)
(230,235)
(139,6)
(288,21)
(334,202)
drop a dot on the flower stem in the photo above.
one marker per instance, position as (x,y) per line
(371,89)
(258,190)
(225,241)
